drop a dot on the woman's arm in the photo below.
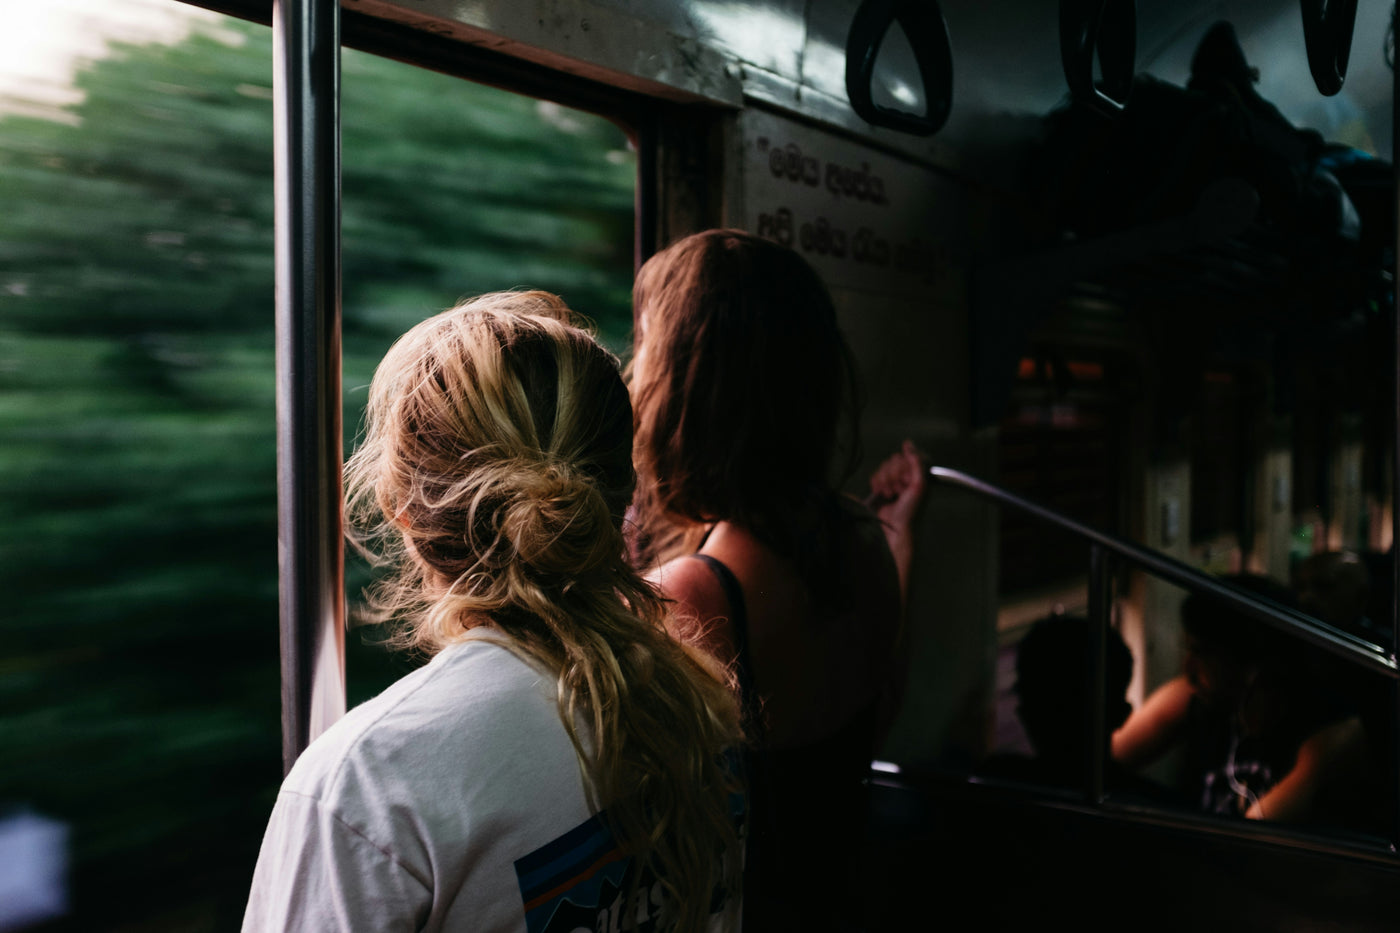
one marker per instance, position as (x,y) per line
(318,872)
(1154,727)
(1333,753)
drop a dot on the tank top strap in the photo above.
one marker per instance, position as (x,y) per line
(739,627)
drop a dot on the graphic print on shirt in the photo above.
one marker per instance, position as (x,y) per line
(580,881)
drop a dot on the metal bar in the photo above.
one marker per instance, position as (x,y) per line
(644,237)
(1294,836)
(1100,611)
(1354,650)
(944,779)
(1395,457)
(306,84)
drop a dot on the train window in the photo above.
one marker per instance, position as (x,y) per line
(470,189)
(139,696)
(1249,723)
(137,474)
(1246,428)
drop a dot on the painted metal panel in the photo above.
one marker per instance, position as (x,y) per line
(607,42)
(1006,58)
(882,231)
(865,219)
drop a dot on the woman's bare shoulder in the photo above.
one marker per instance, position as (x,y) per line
(690,583)
(699,608)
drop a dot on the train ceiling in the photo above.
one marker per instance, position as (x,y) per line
(1220,269)
(1005,56)
(1008,78)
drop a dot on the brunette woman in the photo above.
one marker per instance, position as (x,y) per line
(744,391)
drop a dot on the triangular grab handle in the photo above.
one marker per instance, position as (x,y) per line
(1327,32)
(923,25)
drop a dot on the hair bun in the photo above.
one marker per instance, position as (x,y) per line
(559,522)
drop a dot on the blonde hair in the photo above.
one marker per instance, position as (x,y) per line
(494,473)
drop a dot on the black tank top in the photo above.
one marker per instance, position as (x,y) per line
(807,806)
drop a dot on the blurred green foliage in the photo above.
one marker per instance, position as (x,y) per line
(139,696)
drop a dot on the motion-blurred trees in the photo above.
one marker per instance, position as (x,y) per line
(139,698)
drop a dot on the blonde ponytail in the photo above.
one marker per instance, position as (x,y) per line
(493,476)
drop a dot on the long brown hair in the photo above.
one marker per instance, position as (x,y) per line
(740,380)
(494,474)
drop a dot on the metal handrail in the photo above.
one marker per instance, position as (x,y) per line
(1355,650)
(1351,649)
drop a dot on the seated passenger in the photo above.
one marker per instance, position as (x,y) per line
(741,381)
(1336,587)
(1053,674)
(1266,734)
(561,762)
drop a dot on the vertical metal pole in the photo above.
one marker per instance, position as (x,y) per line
(644,241)
(1100,617)
(306,83)
(1394,737)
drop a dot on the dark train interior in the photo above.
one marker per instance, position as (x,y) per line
(1124,271)
(1170,330)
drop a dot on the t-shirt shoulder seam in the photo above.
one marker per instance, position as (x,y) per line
(320,804)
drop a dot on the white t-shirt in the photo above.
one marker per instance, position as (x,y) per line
(452,801)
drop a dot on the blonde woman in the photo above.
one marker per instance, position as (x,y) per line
(561,762)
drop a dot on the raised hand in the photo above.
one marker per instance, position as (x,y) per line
(896,491)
